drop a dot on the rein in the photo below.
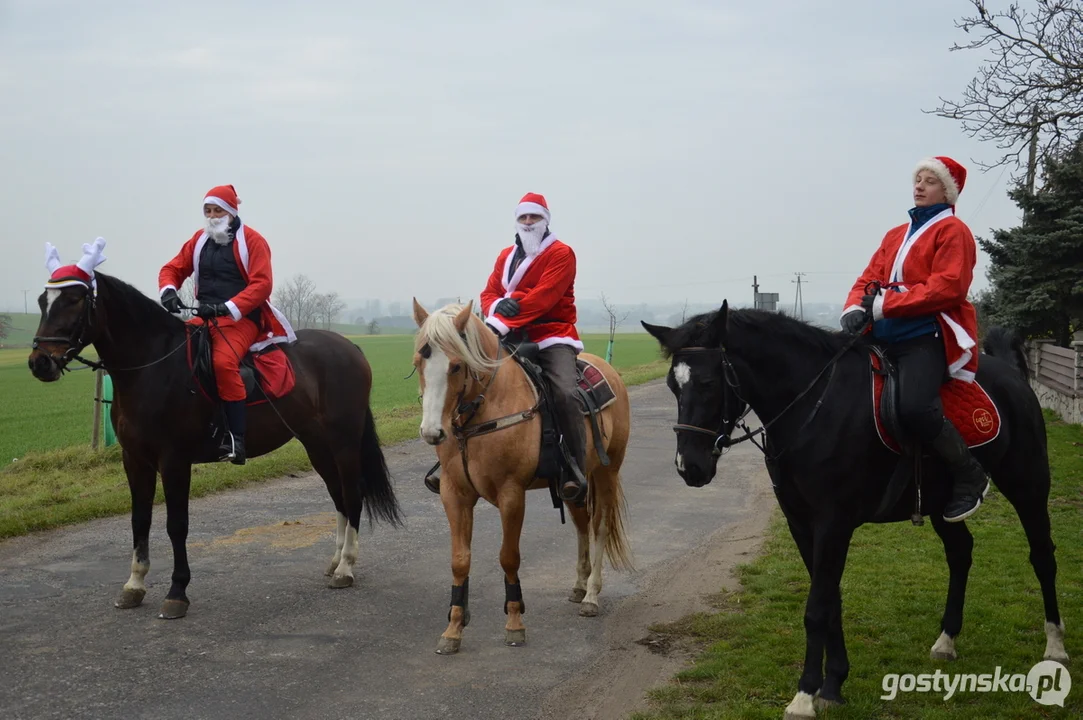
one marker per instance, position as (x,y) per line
(723,439)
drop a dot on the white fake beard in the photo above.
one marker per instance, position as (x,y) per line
(218,229)
(531,236)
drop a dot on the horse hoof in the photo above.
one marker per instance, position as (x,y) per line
(330,571)
(822,703)
(341,581)
(515,638)
(1061,658)
(173,610)
(588,610)
(803,707)
(577,595)
(941,655)
(130,599)
(448,646)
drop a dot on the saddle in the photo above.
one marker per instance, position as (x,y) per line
(267,375)
(966,405)
(594,395)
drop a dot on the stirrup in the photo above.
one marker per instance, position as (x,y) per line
(432,479)
(970,511)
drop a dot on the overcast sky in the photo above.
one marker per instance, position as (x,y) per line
(381,148)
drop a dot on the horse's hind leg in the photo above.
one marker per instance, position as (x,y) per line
(324,464)
(581,519)
(1031,503)
(142,479)
(959,551)
(348,462)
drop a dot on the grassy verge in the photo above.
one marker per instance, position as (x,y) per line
(74,484)
(893,595)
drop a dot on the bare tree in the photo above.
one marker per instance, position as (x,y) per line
(374,328)
(328,307)
(684,312)
(5,326)
(298,300)
(1029,95)
(187,295)
(615,321)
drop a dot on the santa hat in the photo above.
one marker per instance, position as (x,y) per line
(81,273)
(225,197)
(951,173)
(532,204)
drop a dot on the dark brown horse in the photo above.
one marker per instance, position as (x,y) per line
(162,422)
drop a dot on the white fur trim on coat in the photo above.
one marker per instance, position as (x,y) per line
(951,190)
(220,203)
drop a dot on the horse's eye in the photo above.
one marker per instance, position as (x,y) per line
(456,368)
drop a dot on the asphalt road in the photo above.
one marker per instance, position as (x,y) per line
(265,637)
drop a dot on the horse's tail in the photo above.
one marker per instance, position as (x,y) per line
(1006,344)
(608,511)
(377,495)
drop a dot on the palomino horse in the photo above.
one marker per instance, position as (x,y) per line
(830,469)
(462,364)
(162,423)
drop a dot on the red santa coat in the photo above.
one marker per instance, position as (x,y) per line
(253,256)
(934,267)
(544,287)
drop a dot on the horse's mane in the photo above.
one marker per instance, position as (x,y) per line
(139,309)
(439,330)
(701,331)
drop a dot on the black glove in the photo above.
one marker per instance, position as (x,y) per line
(207,312)
(507,307)
(171,301)
(867,301)
(854,321)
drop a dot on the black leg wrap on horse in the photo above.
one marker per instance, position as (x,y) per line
(460,595)
(513,593)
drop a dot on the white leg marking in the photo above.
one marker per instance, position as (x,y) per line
(139,570)
(597,552)
(582,568)
(50,298)
(432,404)
(1054,642)
(349,553)
(682,374)
(340,538)
(943,648)
(801,707)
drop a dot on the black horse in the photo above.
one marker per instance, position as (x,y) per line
(829,468)
(162,421)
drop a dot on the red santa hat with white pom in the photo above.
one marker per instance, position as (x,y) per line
(81,273)
(225,197)
(949,172)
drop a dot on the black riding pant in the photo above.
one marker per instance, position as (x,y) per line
(558,362)
(922,370)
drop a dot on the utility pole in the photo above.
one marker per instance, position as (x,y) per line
(798,301)
(755,293)
(1032,159)
(25,311)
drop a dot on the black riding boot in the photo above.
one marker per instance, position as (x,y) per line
(236,419)
(574,487)
(970,484)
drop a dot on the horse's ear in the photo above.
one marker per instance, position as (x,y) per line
(721,321)
(464,316)
(420,313)
(661,333)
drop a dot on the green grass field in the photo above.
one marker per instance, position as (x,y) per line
(893,595)
(23,327)
(57,479)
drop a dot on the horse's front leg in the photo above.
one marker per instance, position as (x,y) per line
(512,505)
(959,550)
(823,612)
(176,481)
(581,519)
(459,507)
(142,478)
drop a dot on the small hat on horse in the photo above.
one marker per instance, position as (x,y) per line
(950,173)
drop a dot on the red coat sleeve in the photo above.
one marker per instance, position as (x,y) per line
(260,283)
(948,282)
(494,289)
(558,276)
(176,271)
(876,270)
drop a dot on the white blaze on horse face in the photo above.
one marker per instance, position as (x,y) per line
(50,298)
(682,374)
(432,404)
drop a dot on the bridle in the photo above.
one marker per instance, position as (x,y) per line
(79,338)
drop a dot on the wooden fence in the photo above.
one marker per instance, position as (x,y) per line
(1057,377)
